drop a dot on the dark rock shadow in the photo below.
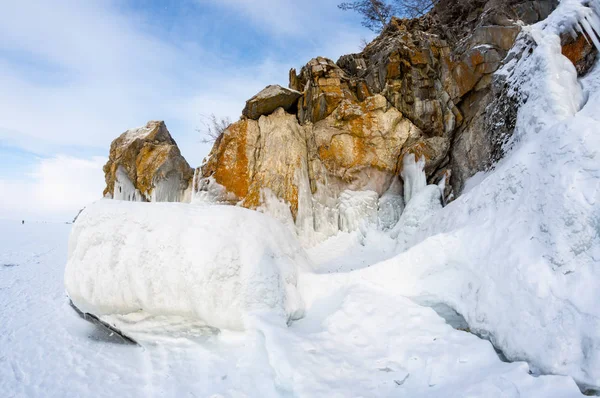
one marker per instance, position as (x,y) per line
(102,331)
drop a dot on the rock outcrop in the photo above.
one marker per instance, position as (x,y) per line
(145,164)
(269,99)
(425,87)
(422,87)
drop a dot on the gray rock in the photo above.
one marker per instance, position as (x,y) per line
(269,99)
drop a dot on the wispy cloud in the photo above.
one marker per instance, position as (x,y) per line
(75,74)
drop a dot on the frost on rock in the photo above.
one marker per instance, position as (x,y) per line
(209,192)
(218,264)
(276,208)
(413,175)
(356,209)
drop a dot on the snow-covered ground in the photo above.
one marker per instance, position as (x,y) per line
(355,340)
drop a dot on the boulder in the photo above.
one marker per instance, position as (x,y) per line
(145,164)
(269,99)
(408,92)
(424,87)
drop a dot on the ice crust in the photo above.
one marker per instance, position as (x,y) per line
(219,264)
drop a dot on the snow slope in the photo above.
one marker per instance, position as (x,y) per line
(519,253)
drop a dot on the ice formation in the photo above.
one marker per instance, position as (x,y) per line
(167,189)
(413,176)
(218,264)
(277,208)
(357,209)
(209,192)
(424,205)
(391,206)
(324,213)
(124,188)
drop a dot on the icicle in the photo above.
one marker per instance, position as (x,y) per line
(591,28)
(357,208)
(193,185)
(413,175)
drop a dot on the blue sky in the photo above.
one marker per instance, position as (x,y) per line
(77,73)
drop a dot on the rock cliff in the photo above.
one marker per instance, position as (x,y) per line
(425,87)
(422,87)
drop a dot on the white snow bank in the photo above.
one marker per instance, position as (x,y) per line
(219,264)
(354,341)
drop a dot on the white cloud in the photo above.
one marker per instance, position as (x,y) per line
(57,189)
(75,74)
(320,25)
(100,70)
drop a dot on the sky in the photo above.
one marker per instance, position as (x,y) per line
(75,74)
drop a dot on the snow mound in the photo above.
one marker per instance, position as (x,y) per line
(219,264)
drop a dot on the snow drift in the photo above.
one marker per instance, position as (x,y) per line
(215,263)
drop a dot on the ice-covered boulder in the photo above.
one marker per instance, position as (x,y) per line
(145,164)
(219,264)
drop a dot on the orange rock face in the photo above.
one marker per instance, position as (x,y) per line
(358,118)
(228,161)
(253,155)
(356,147)
(580,52)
